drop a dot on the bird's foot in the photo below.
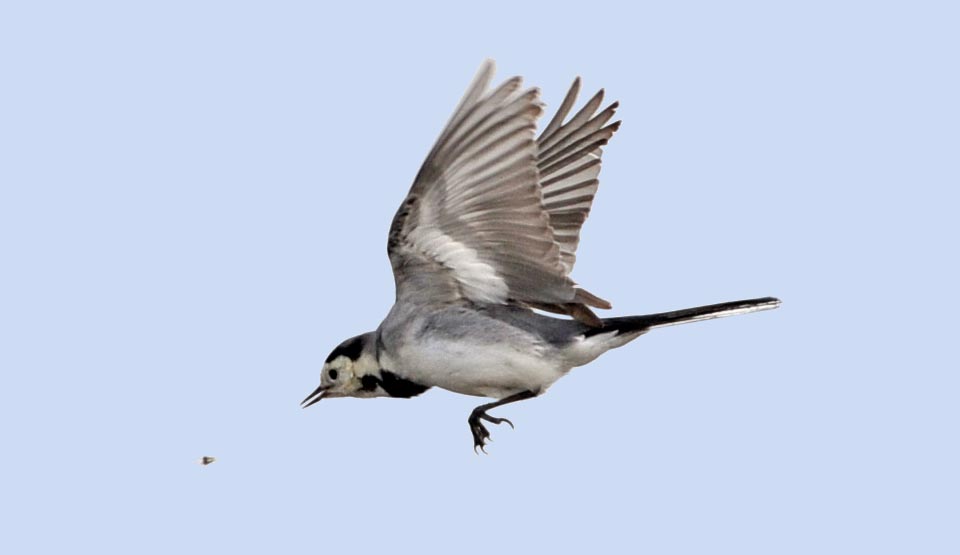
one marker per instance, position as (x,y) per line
(480,432)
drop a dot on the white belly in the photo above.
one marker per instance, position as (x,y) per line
(482,369)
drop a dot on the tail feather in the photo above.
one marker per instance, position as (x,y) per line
(649,321)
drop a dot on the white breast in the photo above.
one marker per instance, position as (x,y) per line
(473,368)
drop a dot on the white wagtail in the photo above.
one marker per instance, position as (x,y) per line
(487,234)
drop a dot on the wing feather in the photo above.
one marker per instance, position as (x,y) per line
(478,222)
(568,160)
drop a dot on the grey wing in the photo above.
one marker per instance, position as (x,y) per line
(473,225)
(568,159)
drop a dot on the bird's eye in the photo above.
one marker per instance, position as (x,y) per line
(332,373)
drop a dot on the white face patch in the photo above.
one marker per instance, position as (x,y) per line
(337,372)
(344,377)
(479,280)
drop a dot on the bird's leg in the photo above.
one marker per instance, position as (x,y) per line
(479,431)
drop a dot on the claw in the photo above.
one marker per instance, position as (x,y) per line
(495,420)
(481,435)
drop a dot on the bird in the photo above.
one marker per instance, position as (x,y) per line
(481,250)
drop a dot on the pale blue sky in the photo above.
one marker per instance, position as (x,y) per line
(194,200)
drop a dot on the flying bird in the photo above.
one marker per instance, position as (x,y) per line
(482,245)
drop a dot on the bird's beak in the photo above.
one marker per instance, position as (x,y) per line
(318,393)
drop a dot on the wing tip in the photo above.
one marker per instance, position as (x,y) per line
(488,65)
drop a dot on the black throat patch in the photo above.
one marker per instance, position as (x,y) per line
(394,385)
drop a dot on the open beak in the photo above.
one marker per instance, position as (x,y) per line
(318,393)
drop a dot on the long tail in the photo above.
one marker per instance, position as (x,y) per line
(649,321)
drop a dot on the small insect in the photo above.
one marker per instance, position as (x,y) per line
(206,460)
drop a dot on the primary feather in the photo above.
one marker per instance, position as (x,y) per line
(494,214)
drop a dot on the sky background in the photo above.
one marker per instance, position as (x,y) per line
(194,202)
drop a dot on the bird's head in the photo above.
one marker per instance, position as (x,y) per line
(351,370)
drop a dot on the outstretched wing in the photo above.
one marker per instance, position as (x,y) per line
(568,159)
(474,225)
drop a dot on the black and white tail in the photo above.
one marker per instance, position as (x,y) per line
(641,324)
